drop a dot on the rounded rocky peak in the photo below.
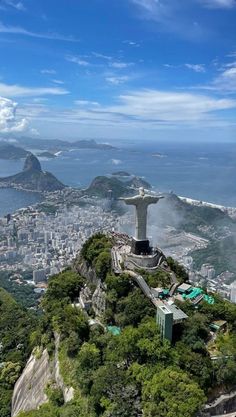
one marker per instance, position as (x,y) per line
(32,163)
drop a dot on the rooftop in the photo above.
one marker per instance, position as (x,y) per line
(166,308)
(178,314)
(184,287)
(114,330)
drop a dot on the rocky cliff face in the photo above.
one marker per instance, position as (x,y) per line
(32,163)
(99,295)
(68,392)
(82,267)
(29,390)
(99,300)
(225,405)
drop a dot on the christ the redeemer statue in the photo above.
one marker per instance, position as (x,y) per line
(141,202)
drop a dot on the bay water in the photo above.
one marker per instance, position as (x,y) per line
(201,171)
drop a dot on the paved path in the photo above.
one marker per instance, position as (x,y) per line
(227,415)
(142,284)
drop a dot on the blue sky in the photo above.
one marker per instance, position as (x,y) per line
(110,69)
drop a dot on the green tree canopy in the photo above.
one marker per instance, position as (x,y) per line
(172,393)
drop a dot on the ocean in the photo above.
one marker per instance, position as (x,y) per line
(200,171)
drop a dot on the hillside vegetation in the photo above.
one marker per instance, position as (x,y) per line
(135,372)
(16,327)
(220,253)
(22,293)
(105,186)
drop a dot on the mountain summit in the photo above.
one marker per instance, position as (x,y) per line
(32,163)
(32,178)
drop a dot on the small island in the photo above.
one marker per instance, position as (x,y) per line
(158,155)
(46,154)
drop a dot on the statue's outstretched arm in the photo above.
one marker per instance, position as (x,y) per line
(130,200)
(152,200)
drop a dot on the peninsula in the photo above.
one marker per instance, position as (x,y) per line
(32,178)
(56,145)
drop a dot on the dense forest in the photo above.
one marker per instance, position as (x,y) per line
(16,326)
(131,373)
(22,293)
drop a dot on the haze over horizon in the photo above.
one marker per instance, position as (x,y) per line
(133,69)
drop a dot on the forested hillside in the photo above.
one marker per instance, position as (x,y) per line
(16,327)
(131,372)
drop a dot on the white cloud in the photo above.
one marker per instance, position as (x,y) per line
(17,30)
(155,9)
(112,62)
(16,5)
(132,43)
(86,103)
(193,67)
(153,107)
(150,5)
(117,80)
(60,82)
(102,56)
(21,91)
(175,16)
(169,66)
(226,80)
(218,4)
(116,161)
(140,113)
(77,60)
(8,120)
(196,67)
(48,71)
(121,65)
(39,99)
(229,65)
(162,8)
(169,106)
(232,55)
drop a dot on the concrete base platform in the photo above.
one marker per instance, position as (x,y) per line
(149,262)
(140,247)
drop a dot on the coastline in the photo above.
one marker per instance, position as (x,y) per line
(19,188)
(231,211)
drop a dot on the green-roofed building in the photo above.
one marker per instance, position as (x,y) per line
(114,330)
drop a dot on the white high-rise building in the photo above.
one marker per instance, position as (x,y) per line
(39,275)
(233,292)
(211,273)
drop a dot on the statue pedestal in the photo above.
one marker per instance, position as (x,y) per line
(149,261)
(140,247)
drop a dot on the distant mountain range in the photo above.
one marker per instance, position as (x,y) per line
(32,178)
(55,145)
(8,151)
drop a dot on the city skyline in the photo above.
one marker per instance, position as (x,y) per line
(143,69)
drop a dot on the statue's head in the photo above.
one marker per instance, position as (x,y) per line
(141,191)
